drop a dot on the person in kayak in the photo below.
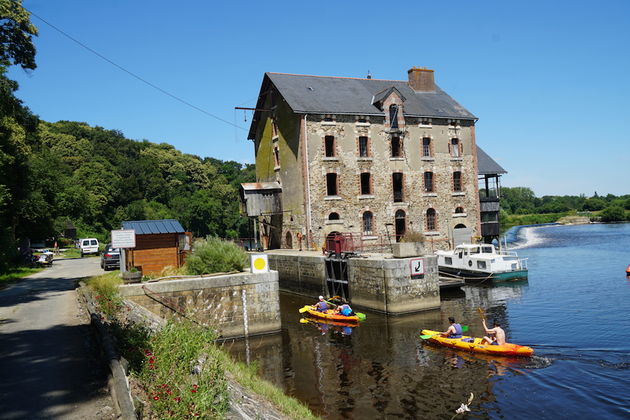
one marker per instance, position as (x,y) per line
(496,332)
(454,331)
(344,310)
(322,305)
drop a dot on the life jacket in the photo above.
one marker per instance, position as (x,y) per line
(345,310)
(322,306)
(458,331)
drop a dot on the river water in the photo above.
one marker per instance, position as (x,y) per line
(574,310)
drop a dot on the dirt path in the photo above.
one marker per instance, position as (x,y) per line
(48,363)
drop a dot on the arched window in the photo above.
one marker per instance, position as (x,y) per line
(333,216)
(460,226)
(459,210)
(368,220)
(431,220)
(393,116)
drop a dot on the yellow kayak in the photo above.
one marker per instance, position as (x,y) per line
(474,344)
(330,315)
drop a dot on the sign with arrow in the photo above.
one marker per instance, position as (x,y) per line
(417,268)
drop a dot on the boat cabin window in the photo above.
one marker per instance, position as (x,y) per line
(486,249)
(481,264)
(448,260)
(474,250)
(460,254)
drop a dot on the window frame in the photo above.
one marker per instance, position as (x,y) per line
(329,176)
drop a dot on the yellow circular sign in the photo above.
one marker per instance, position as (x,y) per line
(259,263)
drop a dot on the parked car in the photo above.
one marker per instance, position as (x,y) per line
(110,258)
(88,246)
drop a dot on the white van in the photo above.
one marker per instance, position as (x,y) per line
(88,246)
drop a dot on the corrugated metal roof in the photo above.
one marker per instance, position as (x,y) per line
(151,227)
(258,186)
(339,95)
(486,165)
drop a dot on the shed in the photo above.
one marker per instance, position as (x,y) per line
(261,198)
(159,244)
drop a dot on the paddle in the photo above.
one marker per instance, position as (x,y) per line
(482,313)
(359,315)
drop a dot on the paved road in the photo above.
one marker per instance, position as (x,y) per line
(48,363)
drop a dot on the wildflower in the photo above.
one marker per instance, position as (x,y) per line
(193,390)
(178,399)
(155,397)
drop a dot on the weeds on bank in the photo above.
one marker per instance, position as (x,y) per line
(16,273)
(180,369)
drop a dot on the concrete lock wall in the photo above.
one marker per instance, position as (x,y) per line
(300,274)
(386,285)
(217,301)
(377,283)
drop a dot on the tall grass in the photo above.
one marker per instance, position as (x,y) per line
(214,255)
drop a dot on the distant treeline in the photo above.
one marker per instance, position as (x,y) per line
(519,205)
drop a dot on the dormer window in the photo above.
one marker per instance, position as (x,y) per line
(393,116)
(426,122)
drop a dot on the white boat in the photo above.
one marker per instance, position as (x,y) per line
(480,262)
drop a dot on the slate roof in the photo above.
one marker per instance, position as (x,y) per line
(486,165)
(353,96)
(151,227)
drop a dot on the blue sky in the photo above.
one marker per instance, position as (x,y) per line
(548,80)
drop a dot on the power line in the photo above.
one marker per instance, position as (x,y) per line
(132,73)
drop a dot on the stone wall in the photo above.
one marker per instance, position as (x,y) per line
(350,204)
(215,300)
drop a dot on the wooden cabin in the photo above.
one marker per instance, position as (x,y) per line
(159,244)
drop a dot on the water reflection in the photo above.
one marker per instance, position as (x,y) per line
(381,368)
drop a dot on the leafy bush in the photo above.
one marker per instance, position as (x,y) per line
(213,255)
(613,214)
(412,236)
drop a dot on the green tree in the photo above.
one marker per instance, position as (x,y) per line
(613,214)
(16,35)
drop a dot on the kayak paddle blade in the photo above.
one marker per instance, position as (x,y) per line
(304,309)
(426,337)
(464,328)
(360,315)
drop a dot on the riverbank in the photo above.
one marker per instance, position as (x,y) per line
(162,381)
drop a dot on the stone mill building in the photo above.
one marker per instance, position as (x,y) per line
(382,159)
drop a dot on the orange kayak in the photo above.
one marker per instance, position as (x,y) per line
(473,344)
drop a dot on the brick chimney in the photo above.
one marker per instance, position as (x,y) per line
(421,79)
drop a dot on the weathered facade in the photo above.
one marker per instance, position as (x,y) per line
(379,158)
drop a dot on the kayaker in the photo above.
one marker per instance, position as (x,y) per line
(497,334)
(454,331)
(344,310)
(322,305)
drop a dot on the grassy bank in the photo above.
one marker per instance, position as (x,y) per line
(16,273)
(179,372)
